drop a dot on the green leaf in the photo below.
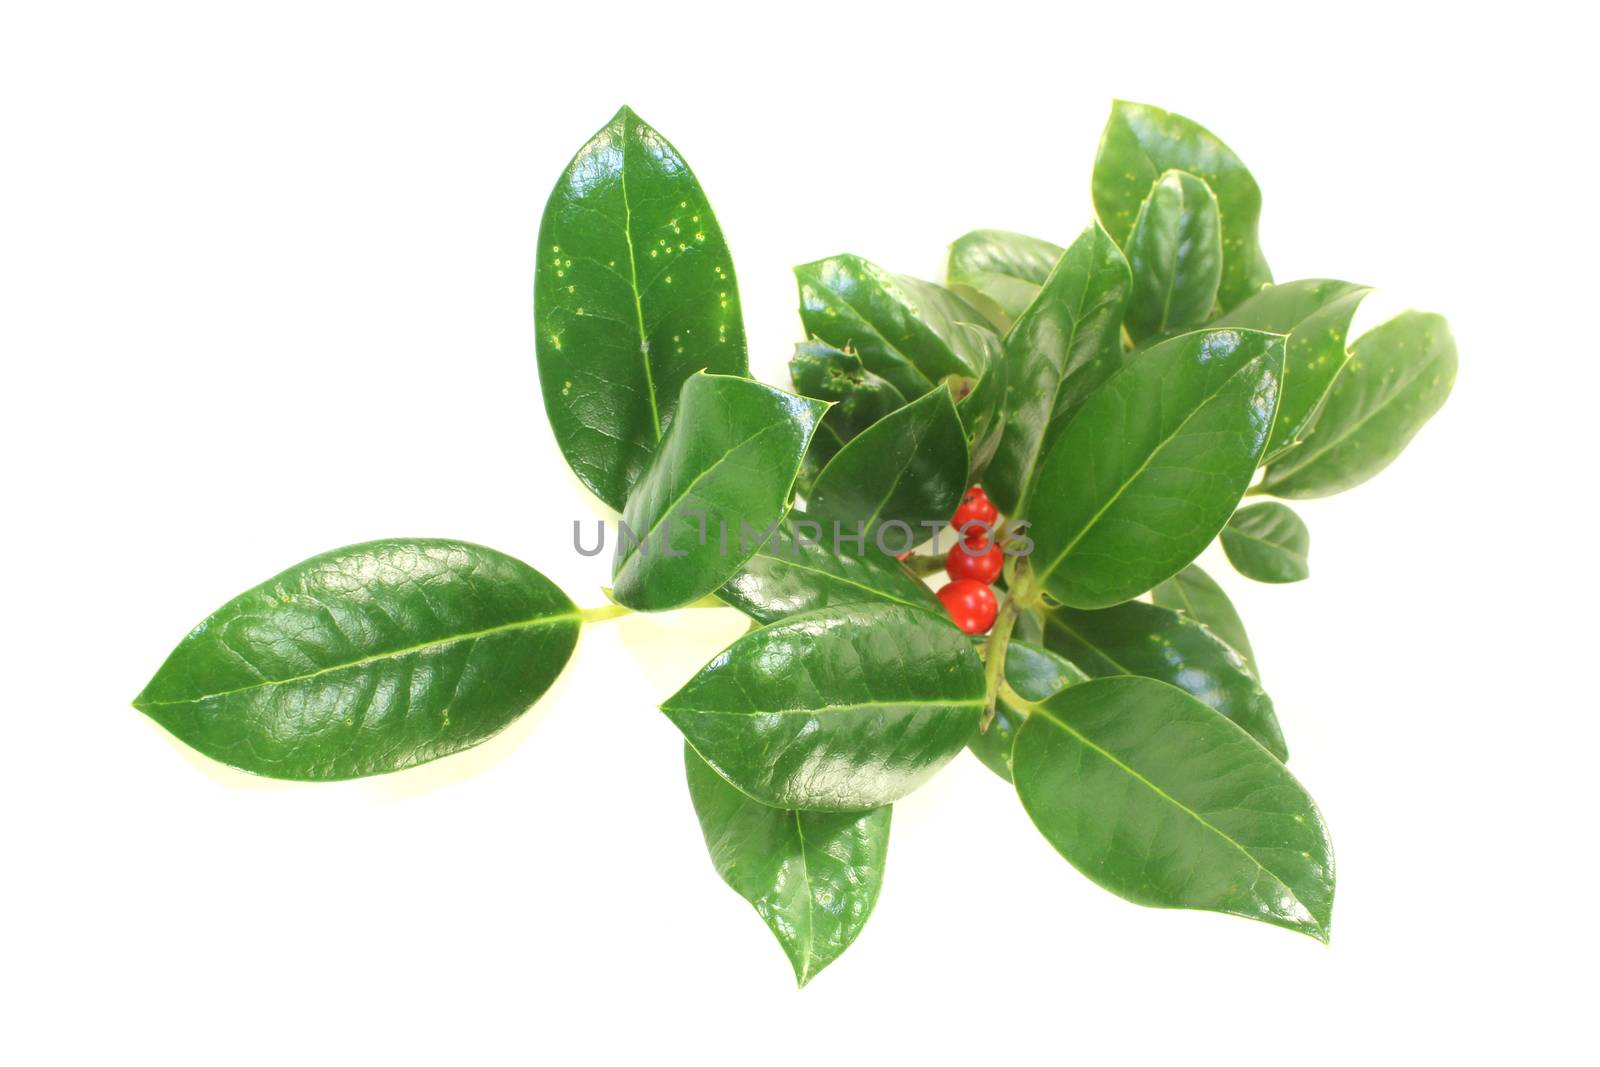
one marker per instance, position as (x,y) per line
(1142,639)
(633,293)
(909,466)
(999,272)
(1397,377)
(1035,674)
(812,876)
(1149,469)
(982,411)
(1316,315)
(1164,802)
(365,660)
(911,332)
(1140,143)
(859,397)
(1063,347)
(1268,542)
(791,575)
(842,709)
(1175,254)
(721,479)
(1196,594)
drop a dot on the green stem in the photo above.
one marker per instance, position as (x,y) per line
(1021,598)
(923,565)
(1015,699)
(603,613)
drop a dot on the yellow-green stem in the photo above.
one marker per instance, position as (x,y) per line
(1021,598)
(603,613)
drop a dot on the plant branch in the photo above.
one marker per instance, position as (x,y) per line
(603,613)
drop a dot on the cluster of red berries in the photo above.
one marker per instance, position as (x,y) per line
(973,563)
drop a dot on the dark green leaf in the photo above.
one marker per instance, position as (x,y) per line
(1035,674)
(1064,346)
(999,272)
(1149,469)
(633,293)
(1138,638)
(812,876)
(1397,376)
(913,333)
(982,411)
(859,397)
(840,710)
(1316,315)
(910,467)
(1268,542)
(1175,254)
(365,660)
(1164,802)
(791,575)
(1194,592)
(1141,143)
(720,480)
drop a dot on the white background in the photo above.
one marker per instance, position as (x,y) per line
(266,291)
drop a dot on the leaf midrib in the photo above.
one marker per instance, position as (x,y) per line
(1274,545)
(1342,437)
(1083,739)
(795,563)
(687,489)
(830,708)
(810,899)
(1149,459)
(1078,314)
(1055,620)
(633,289)
(426,646)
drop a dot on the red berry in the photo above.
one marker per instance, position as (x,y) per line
(975,507)
(971,604)
(960,561)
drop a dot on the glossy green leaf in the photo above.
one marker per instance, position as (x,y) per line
(842,709)
(982,410)
(633,293)
(1140,143)
(908,467)
(1034,674)
(798,571)
(365,660)
(859,397)
(812,876)
(727,463)
(1175,254)
(1153,464)
(1063,347)
(1164,802)
(911,332)
(1196,594)
(999,272)
(1397,376)
(1142,639)
(1268,542)
(1316,315)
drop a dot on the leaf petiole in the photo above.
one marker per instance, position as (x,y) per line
(603,613)
(1022,597)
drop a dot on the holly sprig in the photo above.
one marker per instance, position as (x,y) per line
(1089,417)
